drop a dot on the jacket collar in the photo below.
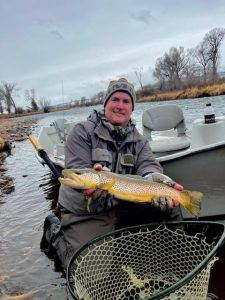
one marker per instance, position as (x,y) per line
(103,131)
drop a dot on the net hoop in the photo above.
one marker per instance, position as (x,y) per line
(218,241)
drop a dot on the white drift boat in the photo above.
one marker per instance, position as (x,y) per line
(194,158)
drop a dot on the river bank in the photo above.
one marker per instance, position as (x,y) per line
(11,131)
(197,92)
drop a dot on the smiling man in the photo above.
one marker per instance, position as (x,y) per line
(119,109)
(119,102)
(107,139)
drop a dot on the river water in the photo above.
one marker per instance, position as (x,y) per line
(22,212)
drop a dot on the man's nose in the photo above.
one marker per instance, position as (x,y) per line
(120,104)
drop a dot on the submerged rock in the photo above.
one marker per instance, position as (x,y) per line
(6,184)
(3,168)
(4,144)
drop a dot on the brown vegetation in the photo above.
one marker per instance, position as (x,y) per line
(190,93)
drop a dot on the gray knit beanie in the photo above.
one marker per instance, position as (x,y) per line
(120,85)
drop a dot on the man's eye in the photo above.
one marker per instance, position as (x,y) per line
(126,101)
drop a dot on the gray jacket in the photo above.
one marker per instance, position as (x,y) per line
(91,142)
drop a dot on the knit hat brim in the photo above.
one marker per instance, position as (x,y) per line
(120,85)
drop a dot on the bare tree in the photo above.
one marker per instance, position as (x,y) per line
(139,72)
(45,104)
(161,73)
(201,56)
(213,40)
(191,73)
(1,105)
(99,98)
(6,95)
(30,96)
(178,60)
(83,101)
(170,68)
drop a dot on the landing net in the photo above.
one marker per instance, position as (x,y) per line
(154,261)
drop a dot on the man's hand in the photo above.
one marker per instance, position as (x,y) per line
(99,167)
(95,193)
(164,203)
(97,199)
(161,178)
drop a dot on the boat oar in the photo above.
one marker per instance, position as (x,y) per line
(43,154)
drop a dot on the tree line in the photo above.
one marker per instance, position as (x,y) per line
(176,69)
(7,102)
(180,69)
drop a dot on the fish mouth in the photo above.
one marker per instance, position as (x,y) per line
(71,175)
(67,173)
(77,178)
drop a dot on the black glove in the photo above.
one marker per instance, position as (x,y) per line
(164,203)
(99,200)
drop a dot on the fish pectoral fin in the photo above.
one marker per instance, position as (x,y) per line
(106,185)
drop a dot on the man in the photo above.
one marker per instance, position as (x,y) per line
(107,140)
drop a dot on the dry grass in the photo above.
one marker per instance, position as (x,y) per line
(191,93)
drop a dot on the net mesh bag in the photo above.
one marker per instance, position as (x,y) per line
(154,261)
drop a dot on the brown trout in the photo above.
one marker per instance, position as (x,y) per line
(132,188)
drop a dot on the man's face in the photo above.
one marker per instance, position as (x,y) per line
(118,109)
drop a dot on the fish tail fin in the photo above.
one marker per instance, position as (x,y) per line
(193,206)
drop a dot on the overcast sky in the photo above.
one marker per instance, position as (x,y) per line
(72,48)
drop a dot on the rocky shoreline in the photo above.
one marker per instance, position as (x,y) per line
(11,130)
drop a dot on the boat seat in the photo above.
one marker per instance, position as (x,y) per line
(168,121)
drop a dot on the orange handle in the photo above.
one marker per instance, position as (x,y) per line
(34,142)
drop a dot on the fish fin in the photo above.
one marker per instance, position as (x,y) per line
(88,206)
(194,205)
